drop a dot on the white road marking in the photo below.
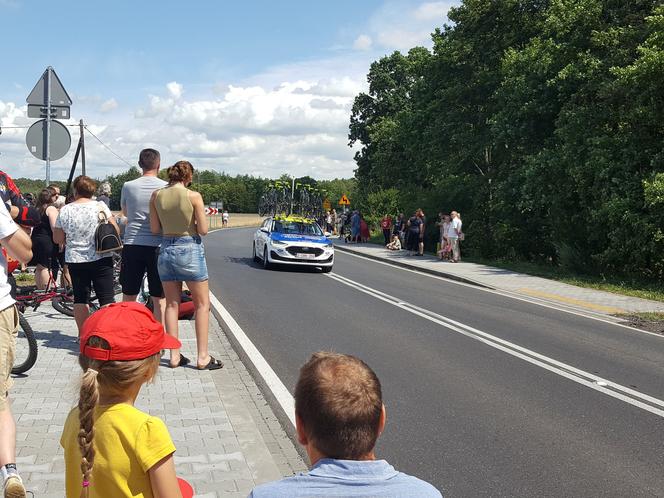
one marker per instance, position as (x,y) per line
(509,294)
(604,386)
(271,379)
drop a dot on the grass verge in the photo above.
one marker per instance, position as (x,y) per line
(650,321)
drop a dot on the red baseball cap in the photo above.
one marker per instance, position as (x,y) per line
(130,329)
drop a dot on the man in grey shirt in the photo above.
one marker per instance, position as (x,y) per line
(140,251)
(339,415)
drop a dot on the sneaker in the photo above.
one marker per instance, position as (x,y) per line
(14,487)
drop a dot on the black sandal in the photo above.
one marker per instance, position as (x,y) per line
(213,364)
(184,361)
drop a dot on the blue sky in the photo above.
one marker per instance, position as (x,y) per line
(257,87)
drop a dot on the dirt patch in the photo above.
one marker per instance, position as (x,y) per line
(649,322)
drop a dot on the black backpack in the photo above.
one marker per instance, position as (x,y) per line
(107,238)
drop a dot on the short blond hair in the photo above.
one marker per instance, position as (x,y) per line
(339,400)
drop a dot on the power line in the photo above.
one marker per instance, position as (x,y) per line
(108,148)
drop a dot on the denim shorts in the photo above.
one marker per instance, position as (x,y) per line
(182,259)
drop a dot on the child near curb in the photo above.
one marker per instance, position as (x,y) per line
(111,448)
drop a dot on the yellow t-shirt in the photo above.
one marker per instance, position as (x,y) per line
(127,443)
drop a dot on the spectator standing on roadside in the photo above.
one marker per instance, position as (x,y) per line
(333,212)
(355,226)
(386,226)
(423,226)
(365,234)
(75,227)
(179,215)
(140,246)
(224,218)
(111,448)
(339,415)
(18,245)
(44,250)
(104,193)
(413,238)
(453,235)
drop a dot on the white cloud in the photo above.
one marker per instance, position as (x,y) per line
(174,89)
(108,105)
(432,11)
(398,26)
(362,42)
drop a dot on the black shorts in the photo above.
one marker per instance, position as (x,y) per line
(136,261)
(95,274)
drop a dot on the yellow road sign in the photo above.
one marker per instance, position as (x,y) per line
(344,201)
(326,205)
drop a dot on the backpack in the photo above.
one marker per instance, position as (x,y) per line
(107,238)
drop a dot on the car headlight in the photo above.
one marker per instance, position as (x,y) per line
(278,243)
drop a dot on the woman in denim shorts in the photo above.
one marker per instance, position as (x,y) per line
(179,215)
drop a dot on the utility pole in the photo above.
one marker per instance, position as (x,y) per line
(48,125)
(82,139)
(292,195)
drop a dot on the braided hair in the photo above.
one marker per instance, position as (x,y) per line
(111,378)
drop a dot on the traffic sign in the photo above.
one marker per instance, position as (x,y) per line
(57,112)
(326,204)
(211,210)
(59,138)
(344,201)
(39,94)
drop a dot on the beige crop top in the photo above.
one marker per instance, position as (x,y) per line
(175,211)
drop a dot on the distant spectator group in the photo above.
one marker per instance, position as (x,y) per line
(407,233)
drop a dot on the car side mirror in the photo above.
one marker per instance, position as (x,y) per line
(264,230)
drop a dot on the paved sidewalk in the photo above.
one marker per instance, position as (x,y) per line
(227,437)
(535,288)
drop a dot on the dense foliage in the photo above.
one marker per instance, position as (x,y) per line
(541,121)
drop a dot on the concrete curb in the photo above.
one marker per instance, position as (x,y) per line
(259,377)
(437,273)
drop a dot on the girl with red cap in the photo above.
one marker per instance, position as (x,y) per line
(112,448)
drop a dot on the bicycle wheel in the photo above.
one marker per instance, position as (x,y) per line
(26,347)
(64,305)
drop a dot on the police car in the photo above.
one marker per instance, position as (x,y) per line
(293,240)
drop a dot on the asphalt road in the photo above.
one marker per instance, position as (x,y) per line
(475,414)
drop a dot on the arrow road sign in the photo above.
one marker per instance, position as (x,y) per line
(39,94)
(60,140)
(344,201)
(211,210)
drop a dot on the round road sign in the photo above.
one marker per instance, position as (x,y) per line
(60,140)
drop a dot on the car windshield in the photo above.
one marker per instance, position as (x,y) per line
(296,227)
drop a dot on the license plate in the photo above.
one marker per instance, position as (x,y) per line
(304,255)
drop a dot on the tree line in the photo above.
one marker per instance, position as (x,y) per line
(541,121)
(238,193)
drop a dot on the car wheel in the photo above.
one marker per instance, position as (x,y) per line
(326,269)
(266,263)
(256,258)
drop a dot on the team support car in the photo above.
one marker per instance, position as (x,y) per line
(292,240)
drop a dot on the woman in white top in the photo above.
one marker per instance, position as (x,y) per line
(75,227)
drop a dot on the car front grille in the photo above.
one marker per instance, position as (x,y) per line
(295,250)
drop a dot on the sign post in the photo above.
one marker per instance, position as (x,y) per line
(48,100)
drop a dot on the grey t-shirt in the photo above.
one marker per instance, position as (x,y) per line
(135,200)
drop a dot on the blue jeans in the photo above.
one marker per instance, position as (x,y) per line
(182,259)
